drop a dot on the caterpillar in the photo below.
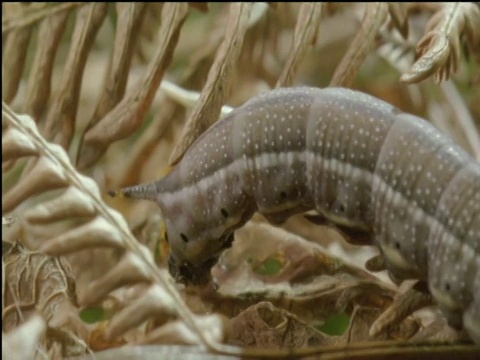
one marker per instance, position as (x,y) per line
(382,176)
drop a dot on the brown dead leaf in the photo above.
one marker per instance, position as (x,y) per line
(35,282)
(265,326)
(306,280)
(361,320)
(439,331)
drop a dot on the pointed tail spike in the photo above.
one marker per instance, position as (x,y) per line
(143,191)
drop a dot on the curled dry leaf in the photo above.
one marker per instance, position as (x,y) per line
(293,274)
(129,114)
(36,283)
(361,319)
(266,326)
(455,25)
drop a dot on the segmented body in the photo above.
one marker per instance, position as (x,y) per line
(360,162)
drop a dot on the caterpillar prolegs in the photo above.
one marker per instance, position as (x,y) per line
(361,163)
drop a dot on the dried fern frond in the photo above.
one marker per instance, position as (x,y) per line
(454,26)
(128,115)
(347,70)
(219,80)
(104,226)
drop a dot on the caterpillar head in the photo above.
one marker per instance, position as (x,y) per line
(195,270)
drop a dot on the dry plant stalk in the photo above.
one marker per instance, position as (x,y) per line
(61,118)
(347,70)
(219,80)
(304,36)
(128,115)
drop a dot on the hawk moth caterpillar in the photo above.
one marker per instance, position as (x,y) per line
(358,161)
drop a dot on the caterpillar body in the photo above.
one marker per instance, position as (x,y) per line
(362,164)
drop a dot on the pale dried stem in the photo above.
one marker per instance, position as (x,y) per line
(304,36)
(219,80)
(364,41)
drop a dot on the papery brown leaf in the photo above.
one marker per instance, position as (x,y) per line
(129,114)
(362,318)
(319,284)
(219,80)
(36,282)
(362,44)
(304,36)
(265,326)
(61,118)
(439,331)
